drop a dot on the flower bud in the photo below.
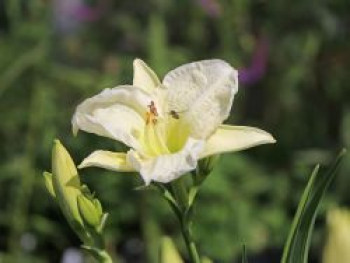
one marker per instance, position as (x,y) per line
(168,252)
(98,206)
(337,247)
(90,210)
(48,184)
(66,186)
(205,167)
(206,260)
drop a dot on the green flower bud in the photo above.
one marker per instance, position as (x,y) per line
(168,252)
(98,206)
(66,186)
(48,184)
(205,167)
(338,241)
(90,210)
(206,260)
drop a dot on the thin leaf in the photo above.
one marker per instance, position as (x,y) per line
(192,195)
(167,195)
(191,198)
(298,242)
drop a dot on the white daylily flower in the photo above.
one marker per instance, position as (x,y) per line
(168,125)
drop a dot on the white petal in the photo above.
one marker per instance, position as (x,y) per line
(167,167)
(109,160)
(144,76)
(117,113)
(202,93)
(235,138)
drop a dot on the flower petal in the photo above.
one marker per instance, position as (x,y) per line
(235,138)
(109,160)
(117,113)
(144,76)
(167,167)
(202,93)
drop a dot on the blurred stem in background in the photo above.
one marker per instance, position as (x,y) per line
(23,192)
(21,65)
(150,230)
(4,20)
(13,8)
(27,64)
(157,47)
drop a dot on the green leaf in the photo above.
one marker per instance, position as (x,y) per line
(167,195)
(298,242)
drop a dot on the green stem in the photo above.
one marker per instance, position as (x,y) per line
(104,257)
(190,244)
(181,195)
(100,255)
(97,248)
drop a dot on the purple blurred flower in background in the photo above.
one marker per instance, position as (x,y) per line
(252,74)
(69,15)
(211,7)
(86,13)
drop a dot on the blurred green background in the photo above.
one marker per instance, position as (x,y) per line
(293,59)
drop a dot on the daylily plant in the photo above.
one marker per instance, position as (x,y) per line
(169,125)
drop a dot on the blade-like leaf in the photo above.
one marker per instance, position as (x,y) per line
(298,242)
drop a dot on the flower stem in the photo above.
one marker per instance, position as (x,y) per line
(190,244)
(104,257)
(181,195)
(100,255)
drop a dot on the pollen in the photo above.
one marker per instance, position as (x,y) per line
(152,114)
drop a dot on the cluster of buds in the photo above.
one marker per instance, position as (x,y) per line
(80,207)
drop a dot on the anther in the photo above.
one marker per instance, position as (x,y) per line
(151,116)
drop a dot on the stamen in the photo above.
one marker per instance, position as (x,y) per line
(151,116)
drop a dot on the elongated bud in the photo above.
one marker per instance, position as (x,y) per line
(90,210)
(337,248)
(206,260)
(168,252)
(48,184)
(205,167)
(98,206)
(66,185)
